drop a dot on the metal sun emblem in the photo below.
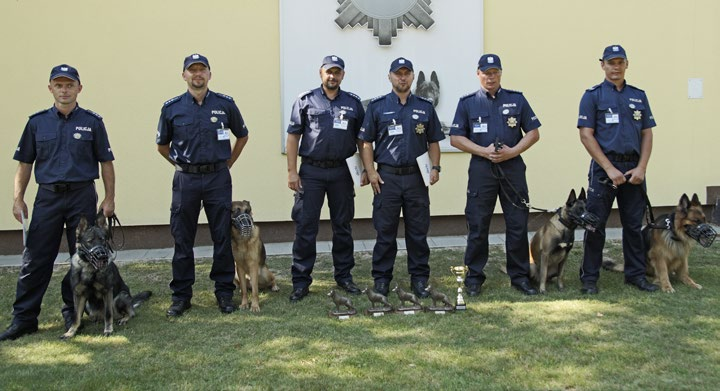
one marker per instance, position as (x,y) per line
(384,17)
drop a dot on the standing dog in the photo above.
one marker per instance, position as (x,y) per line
(551,244)
(97,285)
(668,243)
(249,254)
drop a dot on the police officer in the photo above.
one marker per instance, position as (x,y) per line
(495,126)
(615,124)
(323,130)
(65,142)
(403,127)
(194,136)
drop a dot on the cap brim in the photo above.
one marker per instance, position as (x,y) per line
(616,56)
(197,62)
(401,67)
(328,66)
(485,68)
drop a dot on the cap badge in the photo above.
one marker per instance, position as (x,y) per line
(401,61)
(195,56)
(334,58)
(491,60)
(64,69)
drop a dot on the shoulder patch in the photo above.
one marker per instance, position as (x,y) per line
(354,96)
(227,97)
(94,114)
(513,91)
(304,94)
(39,112)
(424,98)
(377,98)
(634,88)
(172,100)
(593,88)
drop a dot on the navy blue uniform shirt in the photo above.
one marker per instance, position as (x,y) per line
(329,128)
(395,147)
(200,134)
(618,117)
(64,149)
(482,119)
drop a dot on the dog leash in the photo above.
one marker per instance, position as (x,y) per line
(112,222)
(649,216)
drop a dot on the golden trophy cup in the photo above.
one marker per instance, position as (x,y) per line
(459,272)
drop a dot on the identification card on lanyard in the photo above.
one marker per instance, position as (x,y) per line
(223,133)
(480,127)
(612,118)
(340,123)
(395,129)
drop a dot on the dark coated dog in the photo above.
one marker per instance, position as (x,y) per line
(429,89)
(551,244)
(669,241)
(249,254)
(97,286)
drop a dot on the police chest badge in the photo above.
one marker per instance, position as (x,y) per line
(77,136)
(637,115)
(420,129)
(512,122)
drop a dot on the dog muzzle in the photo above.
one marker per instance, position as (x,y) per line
(586,220)
(244,223)
(98,256)
(704,234)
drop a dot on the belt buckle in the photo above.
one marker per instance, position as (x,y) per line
(61,187)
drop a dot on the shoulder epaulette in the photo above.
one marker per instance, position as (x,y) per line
(94,114)
(354,96)
(468,95)
(172,100)
(377,98)
(39,112)
(304,94)
(634,88)
(593,88)
(425,99)
(228,97)
(512,91)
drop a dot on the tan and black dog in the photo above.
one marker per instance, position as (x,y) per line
(97,286)
(551,243)
(249,254)
(668,243)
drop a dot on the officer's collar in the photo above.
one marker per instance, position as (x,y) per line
(322,91)
(190,98)
(396,98)
(61,115)
(487,93)
(607,83)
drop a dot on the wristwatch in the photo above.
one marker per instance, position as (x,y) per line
(437,168)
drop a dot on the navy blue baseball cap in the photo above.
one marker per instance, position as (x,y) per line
(333,62)
(195,59)
(488,61)
(64,70)
(614,51)
(401,62)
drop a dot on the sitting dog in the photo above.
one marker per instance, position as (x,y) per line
(249,254)
(669,240)
(97,286)
(551,244)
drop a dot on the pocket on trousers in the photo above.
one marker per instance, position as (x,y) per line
(296,212)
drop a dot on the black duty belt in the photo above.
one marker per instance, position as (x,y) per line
(63,187)
(323,163)
(200,168)
(622,158)
(399,170)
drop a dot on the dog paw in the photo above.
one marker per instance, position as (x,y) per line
(255,308)
(275,288)
(67,336)
(668,289)
(107,333)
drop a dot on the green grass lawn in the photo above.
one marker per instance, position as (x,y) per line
(619,339)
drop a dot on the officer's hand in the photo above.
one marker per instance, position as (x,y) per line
(364,179)
(108,207)
(375,181)
(636,175)
(616,176)
(20,210)
(434,177)
(294,181)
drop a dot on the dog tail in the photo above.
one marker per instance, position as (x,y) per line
(140,298)
(613,265)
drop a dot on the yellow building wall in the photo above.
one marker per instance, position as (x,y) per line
(130,54)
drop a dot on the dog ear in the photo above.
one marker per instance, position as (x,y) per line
(684,203)
(582,195)
(571,198)
(421,78)
(434,79)
(82,226)
(695,200)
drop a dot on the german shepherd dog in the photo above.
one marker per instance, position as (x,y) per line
(551,244)
(249,254)
(97,286)
(668,242)
(429,89)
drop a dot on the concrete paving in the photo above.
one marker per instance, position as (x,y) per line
(285,248)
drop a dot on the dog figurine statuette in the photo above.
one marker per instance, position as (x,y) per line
(407,297)
(374,298)
(339,301)
(440,297)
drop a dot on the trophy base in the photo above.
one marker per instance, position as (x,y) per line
(460,307)
(409,310)
(342,315)
(380,311)
(440,310)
